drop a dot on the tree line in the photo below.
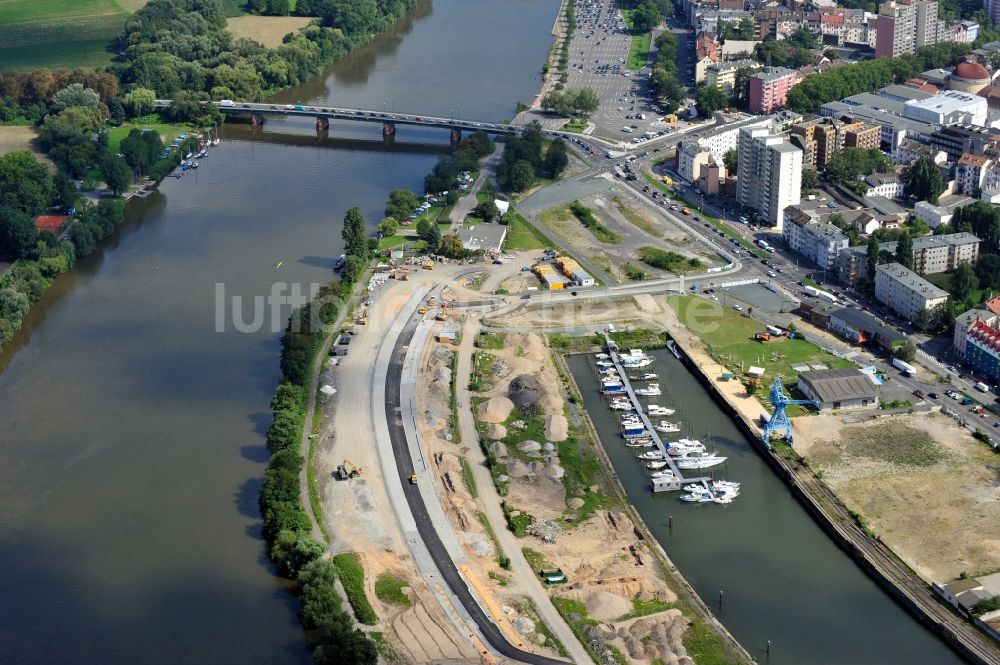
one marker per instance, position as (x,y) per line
(524,161)
(663,79)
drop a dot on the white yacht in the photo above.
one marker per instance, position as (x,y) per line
(651,455)
(648,376)
(639,443)
(652,390)
(658,464)
(684,446)
(655,410)
(621,405)
(604,363)
(666,428)
(698,460)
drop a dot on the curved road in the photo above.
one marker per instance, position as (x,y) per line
(425,528)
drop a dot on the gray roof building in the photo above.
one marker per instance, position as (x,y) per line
(838,388)
(487,237)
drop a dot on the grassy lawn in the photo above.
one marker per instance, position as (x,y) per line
(730,338)
(636,219)
(167,133)
(522,236)
(59,33)
(575,125)
(638,52)
(352,576)
(943,281)
(560,215)
(396,240)
(670,261)
(389,589)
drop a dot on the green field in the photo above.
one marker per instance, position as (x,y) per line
(59,33)
(730,338)
(521,236)
(167,133)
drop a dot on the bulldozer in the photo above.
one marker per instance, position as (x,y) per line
(347,470)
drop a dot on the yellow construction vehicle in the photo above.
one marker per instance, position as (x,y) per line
(347,470)
(413,479)
(422,310)
(428,265)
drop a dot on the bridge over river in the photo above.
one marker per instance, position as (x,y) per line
(257,113)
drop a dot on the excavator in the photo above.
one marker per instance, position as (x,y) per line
(347,470)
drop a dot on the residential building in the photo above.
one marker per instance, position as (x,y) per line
(889,185)
(905,292)
(932,215)
(723,74)
(894,128)
(823,137)
(964,323)
(838,389)
(818,242)
(970,173)
(485,237)
(720,141)
(769,89)
(911,150)
(928,27)
(948,108)
(992,9)
(697,165)
(931,255)
(862,135)
(982,348)
(770,174)
(958,139)
(737,49)
(897,30)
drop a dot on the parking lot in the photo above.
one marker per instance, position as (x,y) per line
(597,60)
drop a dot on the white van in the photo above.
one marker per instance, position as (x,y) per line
(982,387)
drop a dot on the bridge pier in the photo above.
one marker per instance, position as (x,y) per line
(456,135)
(388,129)
(322,123)
(256,118)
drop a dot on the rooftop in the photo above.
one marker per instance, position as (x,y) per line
(483,236)
(865,322)
(774,74)
(838,385)
(50,223)
(911,280)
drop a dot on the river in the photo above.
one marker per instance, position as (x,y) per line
(783,579)
(133,415)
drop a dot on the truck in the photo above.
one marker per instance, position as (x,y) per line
(982,387)
(904,367)
(818,293)
(686,210)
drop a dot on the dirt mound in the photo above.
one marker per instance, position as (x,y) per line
(496,431)
(556,428)
(498,449)
(525,391)
(517,469)
(534,348)
(605,606)
(496,409)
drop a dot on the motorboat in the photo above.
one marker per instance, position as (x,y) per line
(715,485)
(609,371)
(652,390)
(698,496)
(684,446)
(639,443)
(602,356)
(621,405)
(698,460)
(655,410)
(666,428)
(633,429)
(651,455)
(666,473)
(340,262)
(658,464)
(648,376)
(604,363)
(636,363)
(632,433)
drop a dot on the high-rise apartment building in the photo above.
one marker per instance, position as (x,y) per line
(903,26)
(770,174)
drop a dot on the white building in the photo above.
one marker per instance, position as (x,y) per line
(948,108)
(932,215)
(770,174)
(905,292)
(888,185)
(721,141)
(819,242)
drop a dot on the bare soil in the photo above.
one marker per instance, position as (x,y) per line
(14,138)
(927,488)
(266,30)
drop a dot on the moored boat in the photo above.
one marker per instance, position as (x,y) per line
(698,460)
(666,427)
(652,390)
(655,410)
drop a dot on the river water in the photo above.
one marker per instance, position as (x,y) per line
(133,414)
(783,579)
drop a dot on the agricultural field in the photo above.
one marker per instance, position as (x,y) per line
(61,33)
(266,30)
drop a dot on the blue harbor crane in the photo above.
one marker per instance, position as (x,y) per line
(779,419)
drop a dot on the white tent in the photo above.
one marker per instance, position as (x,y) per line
(502,206)
(327,389)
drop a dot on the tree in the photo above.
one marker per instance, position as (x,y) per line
(75,95)
(18,235)
(353,233)
(117,174)
(803,38)
(401,203)
(487,211)
(522,176)
(645,18)
(810,179)
(731,160)
(904,250)
(850,164)
(710,99)
(452,247)
(433,238)
(25,183)
(924,181)
(424,226)
(141,101)
(874,258)
(278,8)
(988,270)
(906,351)
(556,159)
(571,101)
(388,227)
(964,281)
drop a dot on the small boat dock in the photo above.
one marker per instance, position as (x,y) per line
(676,481)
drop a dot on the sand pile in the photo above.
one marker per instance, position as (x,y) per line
(605,606)
(534,348)
(556,428)
(496,409)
